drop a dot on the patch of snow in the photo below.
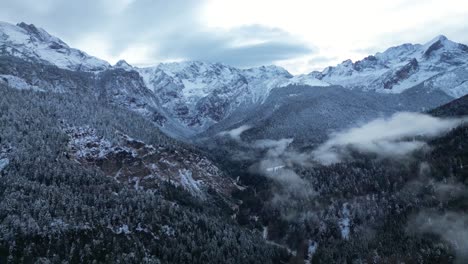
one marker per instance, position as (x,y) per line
(18,83)
(168,231)
(3,163)
(123,230)
(189,183)
(172,164)
(275,169)
(85,143)
(306,80)
(195,88)
(345,222)
(58,224)
(265,232)
(311,249)
(136,186)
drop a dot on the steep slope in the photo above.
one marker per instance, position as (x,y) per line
(439,64)
(35,44)
(114,85)
(309,114)
(458,107)
(33,59)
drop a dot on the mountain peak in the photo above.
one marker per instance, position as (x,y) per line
(268,70)
(39,33)
(438,38)
(123,64)
(31,43)
(26,26)
(437,43)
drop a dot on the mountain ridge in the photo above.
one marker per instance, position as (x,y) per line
(401,67)
(187,98)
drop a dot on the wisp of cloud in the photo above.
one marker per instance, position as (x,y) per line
(388,137)
(450,226)
(236,132)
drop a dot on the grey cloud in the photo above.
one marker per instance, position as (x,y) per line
(171,30)
(74,18)
(218,46)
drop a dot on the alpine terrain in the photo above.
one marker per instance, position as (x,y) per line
(201,162)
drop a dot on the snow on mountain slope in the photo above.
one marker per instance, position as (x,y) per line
(186,98)
(200,94)
(122,64)
(405,66)
(197,94)
(262,80)
(35,44)
(306,79)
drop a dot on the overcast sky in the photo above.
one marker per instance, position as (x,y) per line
(300,35)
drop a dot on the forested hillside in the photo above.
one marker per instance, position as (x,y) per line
(54,209)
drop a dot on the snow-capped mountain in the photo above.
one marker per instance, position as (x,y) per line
(438,64)
(200,94)
(35,44)
(196,93)
(186,98)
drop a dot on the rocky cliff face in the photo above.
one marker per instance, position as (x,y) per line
(405,66)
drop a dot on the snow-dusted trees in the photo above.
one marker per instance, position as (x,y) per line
(53,209)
